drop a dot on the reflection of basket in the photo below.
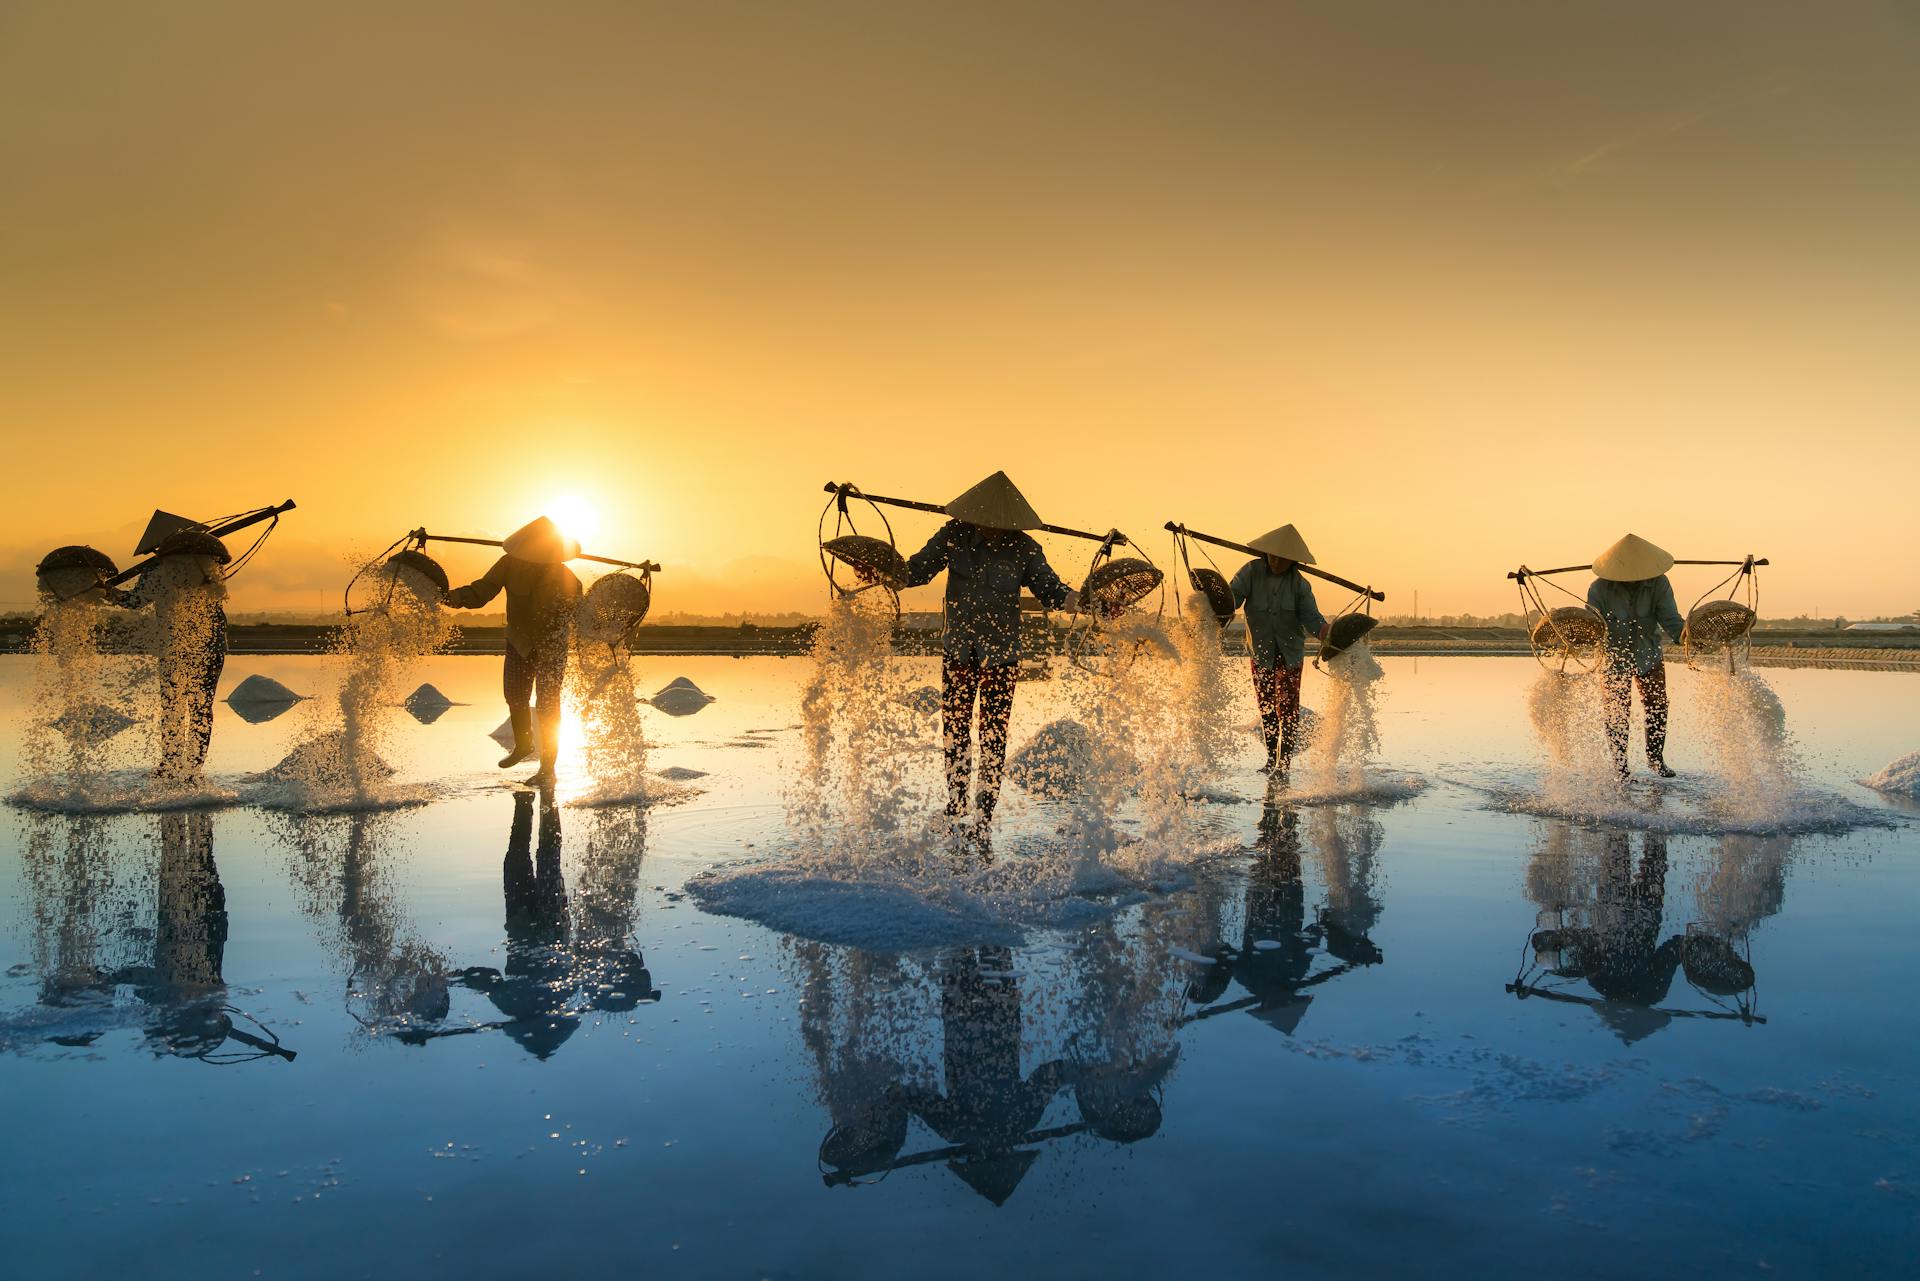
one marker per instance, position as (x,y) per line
(876,556)
(1346,632)
(1717,624)
(1573,630)
(1117,584)
(1713,966)
(1212,584)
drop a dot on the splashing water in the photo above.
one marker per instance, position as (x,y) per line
(1339,760)
(341,761)
(613,737)
(342,868)
(858,793)
(1745,735)
(1567,715)
(1202,691)
(1140,746)
(84,702)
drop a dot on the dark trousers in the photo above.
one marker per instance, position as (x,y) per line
(1277,690)
(962,684)
(546,674)
(188,680)
(1619,682)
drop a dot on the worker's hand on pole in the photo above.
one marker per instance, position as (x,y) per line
(1073,602)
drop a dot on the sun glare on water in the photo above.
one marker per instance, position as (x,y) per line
(577,517)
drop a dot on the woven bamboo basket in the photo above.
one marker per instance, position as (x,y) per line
(1212,584)
(613,607)
(420,563)
(876,556)
(1118,584)
(1346,632)
(1717,624)
(67,571)
(1573,630)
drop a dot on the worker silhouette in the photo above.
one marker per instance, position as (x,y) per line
(988,558)
(1632,595)
(1281,613)
(541,595)
(185,587)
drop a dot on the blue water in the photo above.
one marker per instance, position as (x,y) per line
(236,1042)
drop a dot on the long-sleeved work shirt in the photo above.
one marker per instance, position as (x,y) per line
(1281,613)
(540,601)
(986,568)
(1636,614)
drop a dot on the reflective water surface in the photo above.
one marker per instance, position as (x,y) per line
(493,1036)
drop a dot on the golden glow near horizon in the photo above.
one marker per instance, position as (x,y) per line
(577,518)
(1650,269)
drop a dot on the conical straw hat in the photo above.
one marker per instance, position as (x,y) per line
(1284,542)
(1632,559)
(540,541)
(996,504)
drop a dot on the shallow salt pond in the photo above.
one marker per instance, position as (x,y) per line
(1433,1037)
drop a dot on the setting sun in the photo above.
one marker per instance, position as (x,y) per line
(576,516)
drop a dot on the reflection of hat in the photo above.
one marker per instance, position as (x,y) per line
(995,504)
(1284,542)
(540,541)
(1632,559)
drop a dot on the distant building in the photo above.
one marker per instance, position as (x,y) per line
(1883,627)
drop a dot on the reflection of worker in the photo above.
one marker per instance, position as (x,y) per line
(187,590)
(541,595)
(1278,948)
(988,1105)
(988,560)
(1620,954)
(1631,594)
(1281,614)
(534,989)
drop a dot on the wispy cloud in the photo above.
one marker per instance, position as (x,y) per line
(1742,97)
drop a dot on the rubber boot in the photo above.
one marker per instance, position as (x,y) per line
(549,753)
(523,744)
(982,833)
(1660,767)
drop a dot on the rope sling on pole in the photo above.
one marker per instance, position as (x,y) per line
(1111,585)
(1348,625)
(1577,634)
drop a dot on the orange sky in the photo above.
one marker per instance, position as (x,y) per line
(1448,286)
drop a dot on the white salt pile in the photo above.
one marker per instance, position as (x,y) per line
(427,698)
(325,758)
(1054,762)
(1901,778)
(680,697)
(503,733)
(258,689)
